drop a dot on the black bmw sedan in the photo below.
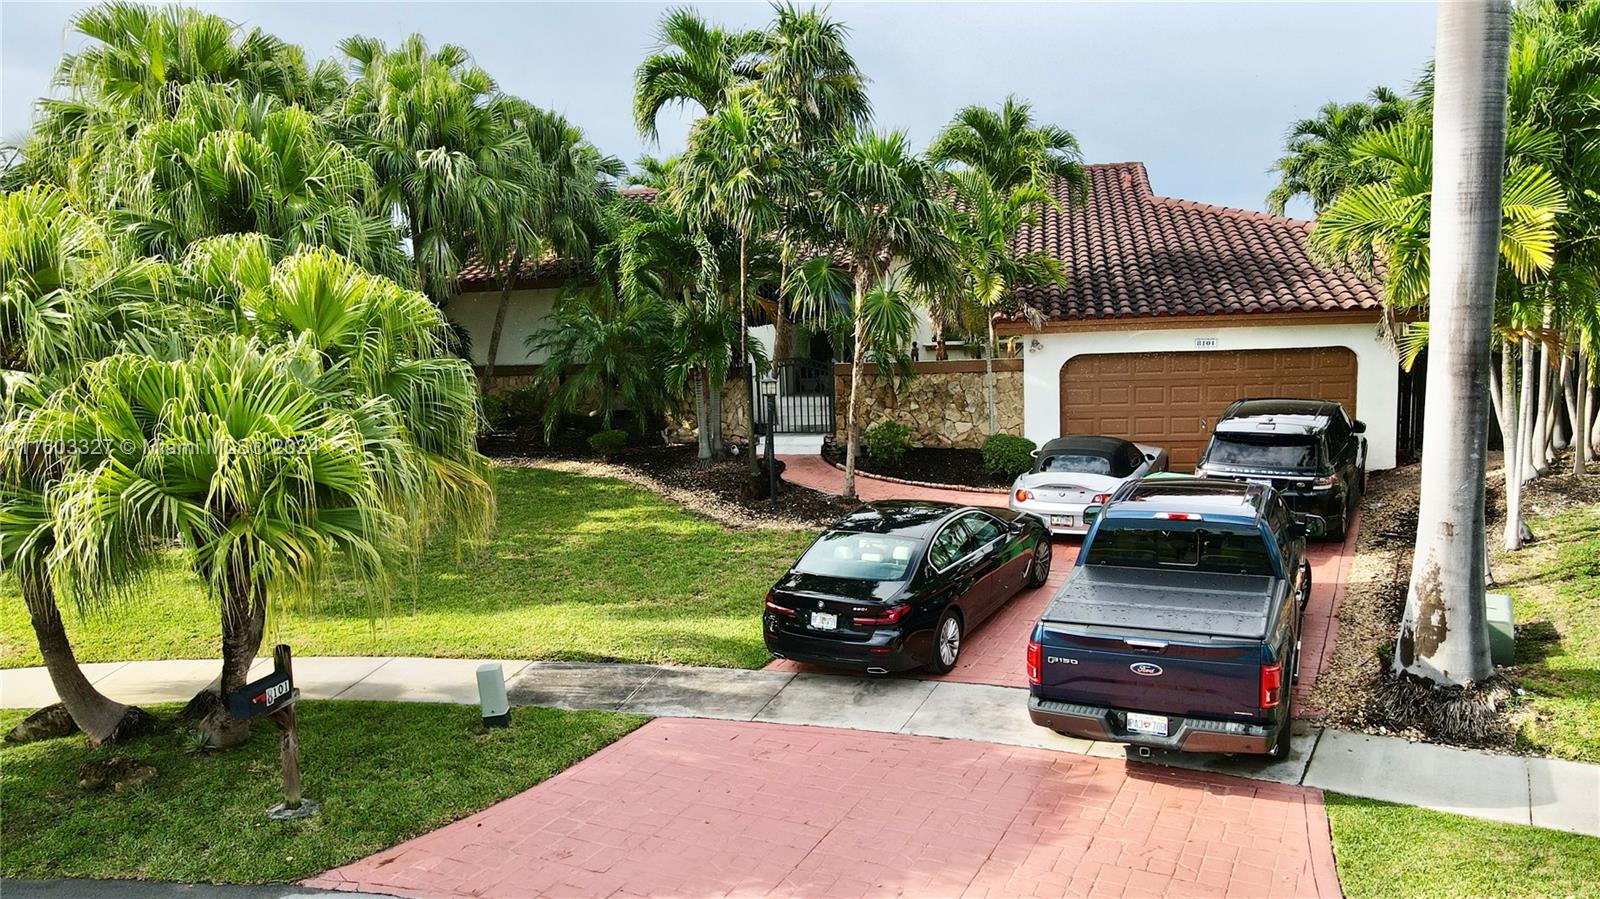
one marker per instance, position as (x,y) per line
(895,585)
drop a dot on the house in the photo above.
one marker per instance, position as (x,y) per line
(1173,309)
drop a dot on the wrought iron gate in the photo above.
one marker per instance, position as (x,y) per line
(804,389)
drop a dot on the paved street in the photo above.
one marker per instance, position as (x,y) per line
(698,808)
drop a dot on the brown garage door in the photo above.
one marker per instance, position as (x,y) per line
(1171,399)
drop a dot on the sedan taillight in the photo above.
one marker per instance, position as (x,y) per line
(1271,685)
(1035,654)
(781,610)
(890,615)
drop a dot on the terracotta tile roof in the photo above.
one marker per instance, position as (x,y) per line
(1132,254)
(476,276)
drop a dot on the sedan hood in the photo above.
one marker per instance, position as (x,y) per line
(800,584)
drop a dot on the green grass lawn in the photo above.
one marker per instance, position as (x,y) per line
(384,772)
(1394,851)
(578,568)
(1555,588)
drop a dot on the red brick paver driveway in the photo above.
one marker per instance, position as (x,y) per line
(702,808)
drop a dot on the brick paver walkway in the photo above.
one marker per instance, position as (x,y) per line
(816,473)
(701,808)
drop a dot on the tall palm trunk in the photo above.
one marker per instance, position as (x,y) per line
(988,380)
(101,719)
(1510,440)
(1580,416)
(744,348)
(506,283)
(1444,635)
(702,426)
(714,417)
(858,355)
(1527,412)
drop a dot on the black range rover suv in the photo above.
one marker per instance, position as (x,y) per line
(1310,450)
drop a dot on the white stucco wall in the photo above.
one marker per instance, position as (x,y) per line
(1377,368)
(527,313)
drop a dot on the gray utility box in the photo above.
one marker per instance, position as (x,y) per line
(1502,631)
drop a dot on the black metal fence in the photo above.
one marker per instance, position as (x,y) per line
(804,389)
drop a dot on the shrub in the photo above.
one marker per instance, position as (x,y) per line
(1005,456)
(514,411)
(606,443)
(887,441)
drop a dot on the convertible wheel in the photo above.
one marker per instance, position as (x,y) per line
(946,643)
(1039,570)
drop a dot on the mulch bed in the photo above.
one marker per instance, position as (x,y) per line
(1357,692)
(723,491)
(925,465)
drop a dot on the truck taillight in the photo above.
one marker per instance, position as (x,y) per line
(887,616)
(1271,685)
(1034,656)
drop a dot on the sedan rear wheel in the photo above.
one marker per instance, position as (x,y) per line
(1039,571)
(946,643)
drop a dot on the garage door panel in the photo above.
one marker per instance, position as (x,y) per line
(1172,399)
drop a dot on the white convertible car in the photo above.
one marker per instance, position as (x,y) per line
(1074,474)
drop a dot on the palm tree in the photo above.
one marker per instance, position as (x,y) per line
(694,63)
(731,175)
(1010,149)
(228,164)
(603,345)
(986,223)
(875,207)
(1319,162)
(66,298)
(563,185)
(437,135)
(133,72)
(1444,632)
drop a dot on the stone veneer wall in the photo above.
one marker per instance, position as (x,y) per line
(680,424)
(944,405)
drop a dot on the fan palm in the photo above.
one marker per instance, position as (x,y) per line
(1009,148)
(984,227)
(694,62)
(440,142)
(562,184)
(875,206)
(1319,162)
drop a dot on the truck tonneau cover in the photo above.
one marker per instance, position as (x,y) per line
(1173,600)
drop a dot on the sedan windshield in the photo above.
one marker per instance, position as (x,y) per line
(1262,451)
(867,557)
(1200,549)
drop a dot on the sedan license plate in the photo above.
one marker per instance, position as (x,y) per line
(1061,521)
(824,621)
(1154,725)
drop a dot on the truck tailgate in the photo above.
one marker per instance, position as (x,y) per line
(1143,640)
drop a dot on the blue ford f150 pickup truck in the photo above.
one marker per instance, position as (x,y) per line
(1180,626)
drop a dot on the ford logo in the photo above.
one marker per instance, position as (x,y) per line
(1145,669)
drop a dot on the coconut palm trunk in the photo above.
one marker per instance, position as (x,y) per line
(102,719)
(1444,636)
(858,354)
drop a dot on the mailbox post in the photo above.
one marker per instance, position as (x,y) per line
(273,696)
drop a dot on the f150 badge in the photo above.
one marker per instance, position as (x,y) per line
(1145,669)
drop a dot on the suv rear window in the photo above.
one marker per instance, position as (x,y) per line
(1263,451)
(1199,549)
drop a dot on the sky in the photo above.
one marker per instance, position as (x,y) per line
(1202,93)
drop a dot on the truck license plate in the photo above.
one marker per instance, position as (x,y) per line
(1061,521)
(1155,725)
(824,621)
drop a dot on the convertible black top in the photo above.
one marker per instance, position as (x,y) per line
(1112,449)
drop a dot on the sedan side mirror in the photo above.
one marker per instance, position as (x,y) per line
(1358,427)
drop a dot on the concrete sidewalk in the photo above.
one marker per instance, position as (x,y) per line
(1543,792)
